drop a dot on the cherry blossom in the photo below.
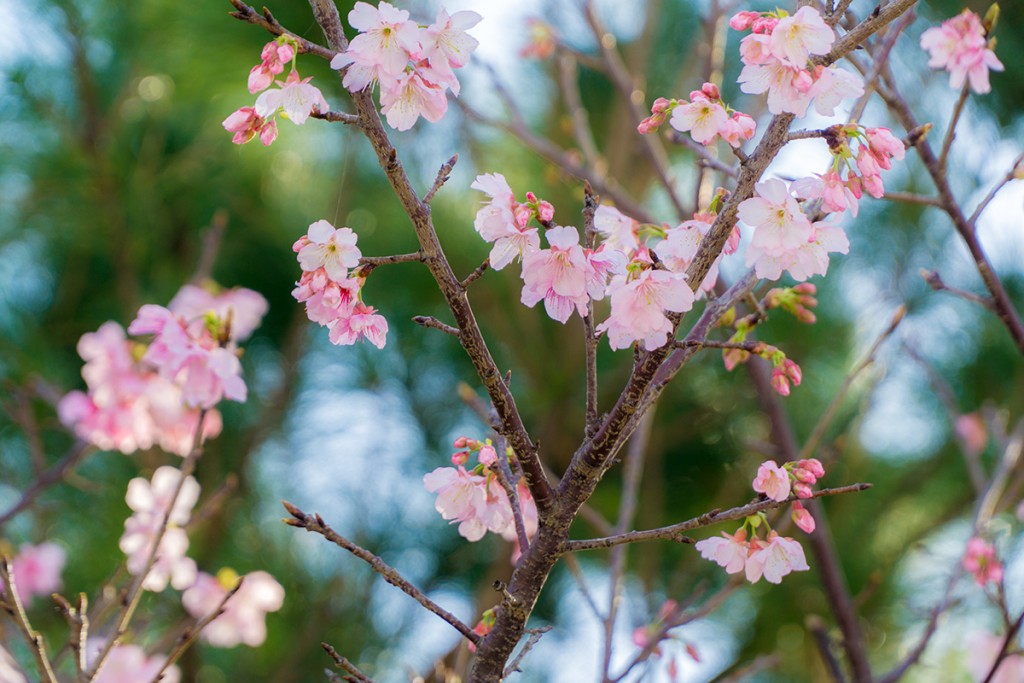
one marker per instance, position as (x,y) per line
(618,230)
(729,551)
(274,56)
(446,45)
(639,304)
(775,558)
(246,124)
(244,308)
(780,224)
(772,481)
(557,275)
(295,97)
(802,518)
(243,621)
(385,33)
(959,45)
(330,248)
(795,38)
(37,570)
(362,323)
(980,561)
(150,501)
(706,117)
(503,222)
(460,498)
(410,97)
(782,374)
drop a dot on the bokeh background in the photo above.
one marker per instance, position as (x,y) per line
(115,171)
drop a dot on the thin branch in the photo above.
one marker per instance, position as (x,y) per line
(507,481)
(947,142)
(936,282)
(911,198)
(804,134)
(48,478)
(267,21)
(750,346)
(354,674)
(674,532)
(826,417)
(824,642)
(1010,175)
(476,274)
(430,321)
(443,174)
(762,663)
(189,635)
(581,582)
(879,58)
(12,605)
(706,158)
(590,204)
(315,524)
(78,622)
(933,622)
(1004,651)
(335,117)
(367,264)
(569,80)
(535,635)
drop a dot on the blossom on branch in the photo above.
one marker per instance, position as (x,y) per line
(960,47)
(129,664)
(243,620)
(37,571)
(981,562)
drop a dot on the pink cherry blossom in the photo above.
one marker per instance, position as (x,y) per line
(618,230)
(411,96)
(775,559)
(782,374)
(701,117)
(295,96)
(497,222)
(772,481)
(330,248)
(797,37)
(980,561)
(639,306)
(460,498)
(884,145)
(386,35)
(245,308)
(557,275)
(832,86)
(779,222)
(325,299)
(150,501)
(245,123)
(741,21)
(729,551)
(243,621)
(960,46)
(129,664)
(362,323)
(446,43)
(37,570)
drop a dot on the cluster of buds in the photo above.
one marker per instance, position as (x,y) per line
(706,117)
(486,455)
(797,301)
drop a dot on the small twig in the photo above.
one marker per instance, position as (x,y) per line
(1004,651)
(214,503)
(476,274)
(911,198)
(933,623)
(213,236)
(367,264)
(824,642)
(430,321)
(879,58)
(13,606)
(315,524)
(1010,175)
(443,174)
(535,635)
(354,674)
(947,142)
(48,478)
(747,672)
(705,156)
(189,635)
(568,78)
(267,21)
(581,582)
(336,117)
(78,622)
(936,282)
(804,134)
(507,481)
(750,345)
(674,532)
(826,417)
(590,204)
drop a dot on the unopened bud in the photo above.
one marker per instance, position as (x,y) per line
(711,91)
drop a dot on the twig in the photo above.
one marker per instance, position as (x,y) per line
(354,674)
(1004,651)
(933,622)
(911,198)
(750,346)
(745,673)
(706,158)
(1010,175)
(568,77)
(674,532)
(134,593)
(879,58)
(508,483)
(267,21)
(577,574)
(936,282)
(826,417)
(367,264)
(535,635)
(51,476)
(78,622)
(430,321)
(336,117)
(590,204)
(12,605)
(824,642)
(188,637)
(443,174)
(213,236)
(476,274)
(804,134)
(947,142)
(315,524)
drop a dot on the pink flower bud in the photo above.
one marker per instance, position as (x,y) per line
(802,518)
(733,357)
(855,186)
(792,371)
(803,476)
(710,90)
(660,106)
(460,458)
(764,24)
(971,430)
(802,490)
(531,198)
(268,133)
(487,456)
(805,288)
(545,212)
(779,382)
(461,442)
(741,21)
(814,466)
(873,185)
(803,81)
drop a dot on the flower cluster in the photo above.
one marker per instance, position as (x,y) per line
(294,96)
(475,498)
(243,619)
(774,556)
(776,60)
(37,571)
(142,395)
(706,117)
(876,148)
(798,301)
(414,66)
(981,562)
(784,238)
(333,295)
(130,664)
(150,502)
(960,47)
